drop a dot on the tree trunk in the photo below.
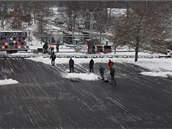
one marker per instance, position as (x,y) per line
(87,21)
(70,23)
(137,50)
(108,19)
(2,22)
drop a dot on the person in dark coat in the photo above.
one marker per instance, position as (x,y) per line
(101,71)
(53,57)
(91,64)
(94,49)
(112,75)
(45,48)
(57,46)
(71,65)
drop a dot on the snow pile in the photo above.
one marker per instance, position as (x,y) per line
(8,82)
(82,76)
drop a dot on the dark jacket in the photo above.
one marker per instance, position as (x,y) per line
(71,62)
(112,72)
(91,63)
(101,70)
(45,46)
(53,57)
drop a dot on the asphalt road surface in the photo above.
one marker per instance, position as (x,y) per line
(44,100)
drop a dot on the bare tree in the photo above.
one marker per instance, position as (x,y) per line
(142,27)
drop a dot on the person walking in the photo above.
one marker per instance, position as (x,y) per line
(53,57)
(91,64)
(101,71)
(71,65)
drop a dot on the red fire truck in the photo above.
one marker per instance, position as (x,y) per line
(13,41)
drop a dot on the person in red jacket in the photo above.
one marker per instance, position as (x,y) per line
(110,64)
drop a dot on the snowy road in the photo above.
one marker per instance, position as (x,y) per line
(43,99)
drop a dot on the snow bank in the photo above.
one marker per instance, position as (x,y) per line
(8,82)
(157,74)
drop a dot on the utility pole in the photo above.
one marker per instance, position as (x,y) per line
(91,28)
(73,26)
(41,22)
(72,30)
(30,37)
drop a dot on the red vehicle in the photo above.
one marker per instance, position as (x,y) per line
(13,41)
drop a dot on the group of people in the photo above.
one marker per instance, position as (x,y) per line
(110,64)
(71,65)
